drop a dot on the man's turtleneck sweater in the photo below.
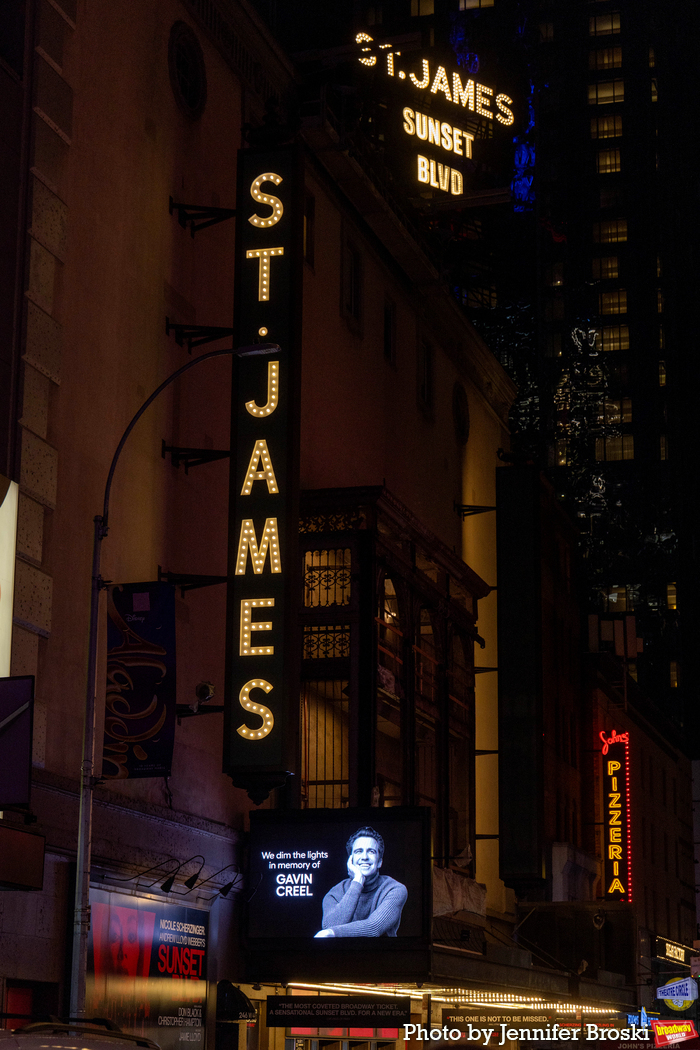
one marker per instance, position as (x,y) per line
(373,910)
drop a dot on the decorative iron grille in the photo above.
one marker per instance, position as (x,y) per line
(327,578)
(327,641)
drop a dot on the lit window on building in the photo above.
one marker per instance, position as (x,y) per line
(614,302)
(662,373)
(673,674)
(652,58)
(606,91)
(554,275)
(615,448)
(615,411)
(607,127)
(546,32)
(663,448)
(606,267)
(662,338)
(654,90)
(658,266)
(604,25)
(608,161)
(614,337)
(605,58)
(659,301)
(618,598)
(610,231)
(467,5)
(562,452)
(671,596)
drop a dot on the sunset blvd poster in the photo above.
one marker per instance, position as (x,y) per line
(147,968)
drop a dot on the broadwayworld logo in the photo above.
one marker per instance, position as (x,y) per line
(548,1033)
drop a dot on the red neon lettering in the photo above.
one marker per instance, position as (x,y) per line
(616,738)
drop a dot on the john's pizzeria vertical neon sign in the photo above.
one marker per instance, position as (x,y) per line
(263,498)
(616,815)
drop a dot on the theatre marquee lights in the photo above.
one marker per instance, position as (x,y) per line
(263,512)
(480,99)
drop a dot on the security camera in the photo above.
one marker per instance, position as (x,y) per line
(205,691)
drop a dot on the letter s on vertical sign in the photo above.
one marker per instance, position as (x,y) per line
(257,709)
(266,198)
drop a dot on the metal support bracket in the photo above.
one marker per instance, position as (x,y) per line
(187,581)
(465,510)
(188,710)
(192,457)
(195,334)
(199,216)
(484,670)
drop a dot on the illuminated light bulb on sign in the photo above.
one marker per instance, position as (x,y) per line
(506,115)
(248,542)
(365,38)
(264,255)
(273,371)
(257,709)
(260,455)
(248,625)
(422,84)
(440,176)
(483,94)
(264,198)
(440,84)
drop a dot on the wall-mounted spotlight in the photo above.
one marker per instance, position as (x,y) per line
(190,881)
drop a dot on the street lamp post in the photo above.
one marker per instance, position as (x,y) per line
(81,921)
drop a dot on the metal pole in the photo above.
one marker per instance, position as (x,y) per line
(81,917)
(81,921)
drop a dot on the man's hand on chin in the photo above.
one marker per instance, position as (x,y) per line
(354,872)
(324,933)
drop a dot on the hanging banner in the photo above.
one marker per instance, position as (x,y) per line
(9,495)
(262,649)
(616,816)
(147,968)
(140,702)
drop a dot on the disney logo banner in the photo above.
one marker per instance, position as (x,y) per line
(140,702)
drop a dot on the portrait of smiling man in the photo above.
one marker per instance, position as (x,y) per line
(367,903)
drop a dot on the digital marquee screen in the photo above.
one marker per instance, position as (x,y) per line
(340,877)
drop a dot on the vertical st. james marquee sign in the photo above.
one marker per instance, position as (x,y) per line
(616,815)
(262,685)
